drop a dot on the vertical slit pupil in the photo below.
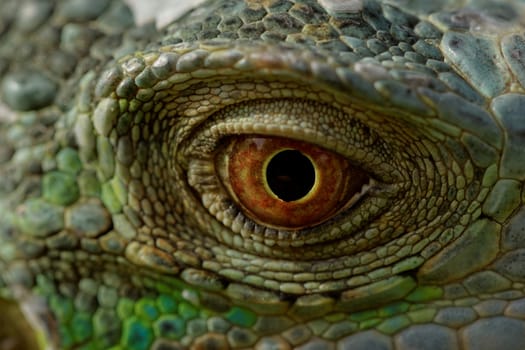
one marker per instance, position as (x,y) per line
(290,175)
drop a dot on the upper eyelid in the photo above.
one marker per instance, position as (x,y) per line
(357,142)
(168,77)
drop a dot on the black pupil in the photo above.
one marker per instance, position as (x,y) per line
(290,175)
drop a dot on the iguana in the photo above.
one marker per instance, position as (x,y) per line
(263,175)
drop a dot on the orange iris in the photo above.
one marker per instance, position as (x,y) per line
(290,184)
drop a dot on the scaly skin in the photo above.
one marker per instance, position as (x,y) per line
(118,229)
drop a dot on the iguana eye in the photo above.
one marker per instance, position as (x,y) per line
(279,184)
(290,184)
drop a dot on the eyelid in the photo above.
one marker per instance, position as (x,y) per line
(363,148)
(299,120)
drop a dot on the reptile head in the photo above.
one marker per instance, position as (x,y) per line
(269,174)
